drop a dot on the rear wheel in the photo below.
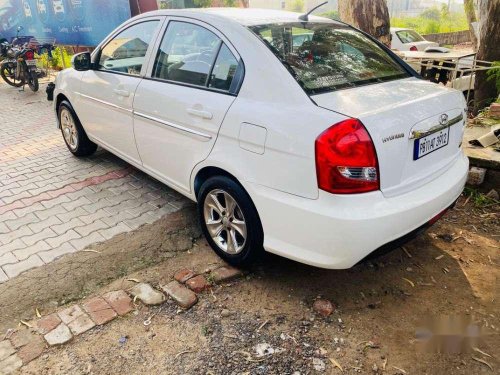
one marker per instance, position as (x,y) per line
(33,80)
(73,133)
(8,73)
(230,221)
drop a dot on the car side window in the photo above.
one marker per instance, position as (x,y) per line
(125,53)
(186,54)
(224,70)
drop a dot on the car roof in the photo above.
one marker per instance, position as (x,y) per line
(243,16)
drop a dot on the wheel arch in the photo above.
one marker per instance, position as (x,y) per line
(59,99)
(210,171)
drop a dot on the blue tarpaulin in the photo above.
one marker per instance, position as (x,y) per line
(74,22)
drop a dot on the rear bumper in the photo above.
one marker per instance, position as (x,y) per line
(336,231)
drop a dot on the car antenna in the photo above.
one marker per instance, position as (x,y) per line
(305,16)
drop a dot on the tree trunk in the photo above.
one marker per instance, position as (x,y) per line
(489,40)
(471,17)
(370,16)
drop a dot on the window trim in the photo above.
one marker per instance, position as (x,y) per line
(96,55)
(240,71)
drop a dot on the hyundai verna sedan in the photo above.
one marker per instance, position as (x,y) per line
(320,148)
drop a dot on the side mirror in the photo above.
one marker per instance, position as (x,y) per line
(81,61)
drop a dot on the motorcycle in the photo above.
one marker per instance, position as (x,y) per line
(19,65)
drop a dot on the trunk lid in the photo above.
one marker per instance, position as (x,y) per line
(395,113)
(421,46)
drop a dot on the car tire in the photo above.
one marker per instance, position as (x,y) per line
(73,133)
(229,221)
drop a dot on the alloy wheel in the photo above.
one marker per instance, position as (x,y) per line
(225,221)
(69,130)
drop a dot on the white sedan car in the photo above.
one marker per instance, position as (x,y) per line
(409,40)
(320,151)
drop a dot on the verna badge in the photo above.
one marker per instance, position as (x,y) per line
(443,119)
(393,137)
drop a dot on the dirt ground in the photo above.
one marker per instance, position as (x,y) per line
(452,269)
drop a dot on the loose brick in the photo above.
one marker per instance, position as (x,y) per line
(119,301)
(81,324)
(6,349)
(59,335)
(184,275)
(225,273)
(33,349)
(184,297)
(476,176)
(47,323)
(198,284)
(11,364)
(70,313)
(147,294)
(323,307)
(21,337)
(99,310)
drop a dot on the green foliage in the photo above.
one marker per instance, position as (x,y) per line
(433,20)
(208,3)
(479,199)
(59,55)
(202,3)
(296,6)
(334,15)
(494,75)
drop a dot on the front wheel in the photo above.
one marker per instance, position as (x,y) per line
(8,73)
(230,221)
(73,133)
(33,80)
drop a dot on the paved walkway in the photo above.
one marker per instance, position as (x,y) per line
(52,203)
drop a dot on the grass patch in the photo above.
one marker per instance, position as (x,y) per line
(477,198)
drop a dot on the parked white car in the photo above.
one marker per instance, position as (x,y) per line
(410,40)
(321,152)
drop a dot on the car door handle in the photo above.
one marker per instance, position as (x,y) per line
(124,93)
(203,114)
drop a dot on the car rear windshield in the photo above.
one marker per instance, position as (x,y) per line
(325,56)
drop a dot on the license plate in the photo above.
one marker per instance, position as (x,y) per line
(30,62)
(425,145)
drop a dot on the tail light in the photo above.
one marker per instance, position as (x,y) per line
(29,55)
(346,161)
(413,48)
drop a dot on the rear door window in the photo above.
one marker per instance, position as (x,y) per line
(187,54)
(326,56)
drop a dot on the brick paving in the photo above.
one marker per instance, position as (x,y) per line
(52,203)
(22,345)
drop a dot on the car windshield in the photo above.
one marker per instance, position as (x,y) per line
(409,36)
(326,56)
